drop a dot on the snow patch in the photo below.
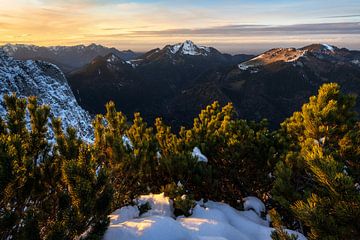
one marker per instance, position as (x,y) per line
(356,62)
(127,142)
(255,204)
(210,220)
(124,214)
(159,204)
(196,153)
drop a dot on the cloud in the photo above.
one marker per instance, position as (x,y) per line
(344,16)
(257,30)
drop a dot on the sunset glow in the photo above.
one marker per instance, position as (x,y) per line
(229,25)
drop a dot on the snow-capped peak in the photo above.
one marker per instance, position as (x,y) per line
(189,48)
(287,55)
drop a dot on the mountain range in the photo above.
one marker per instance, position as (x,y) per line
(67,58)
(177,81)
(152,84)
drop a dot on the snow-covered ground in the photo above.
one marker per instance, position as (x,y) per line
(209,221)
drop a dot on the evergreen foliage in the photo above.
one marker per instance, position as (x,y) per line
(47,191)
(65,187)
(279,233)
(317,176)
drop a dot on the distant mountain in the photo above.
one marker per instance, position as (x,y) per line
(48,83)
(150,83)
(276,83)
(175,82)
(68,58)
(188,51)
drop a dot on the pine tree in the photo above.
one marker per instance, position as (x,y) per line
(47,191)
(239,151)
(279,233)
(312,179)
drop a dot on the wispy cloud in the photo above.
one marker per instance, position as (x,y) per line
(262,30)
(344,16)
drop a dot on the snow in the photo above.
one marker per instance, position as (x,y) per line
(209,221)
(196,153)
(328,47)
(124,214)
(149,228)
(127,142)
(160,205)
(288,55)
(48,83)
(356,62)
(112,58)
(134,65)
(175,48)
(243,66)
(189,48)
(255,204)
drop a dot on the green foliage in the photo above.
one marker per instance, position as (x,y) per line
(240,152)
(279,233)
(60,190)
(47,191)
(317,175)
(183,205)
(183,202)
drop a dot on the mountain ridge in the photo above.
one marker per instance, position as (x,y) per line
(165,82)
(47,82)
(68,58)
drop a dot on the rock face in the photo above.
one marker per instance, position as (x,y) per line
(48,83)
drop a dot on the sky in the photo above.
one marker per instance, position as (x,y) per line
(248,26)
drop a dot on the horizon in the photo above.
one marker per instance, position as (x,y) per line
(140,25)
(255,52)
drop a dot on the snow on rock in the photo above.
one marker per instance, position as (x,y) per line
(288,55)
(243,66)
(47,82)
(255,204)
(189,48)
(196,153)
(328,47)
(209,221)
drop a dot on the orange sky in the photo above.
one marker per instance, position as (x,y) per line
(140,25)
